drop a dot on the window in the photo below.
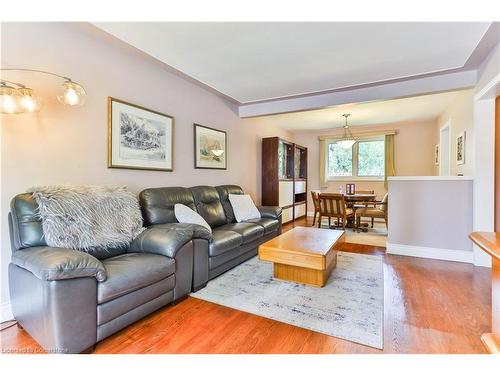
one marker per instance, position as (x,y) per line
(364,160)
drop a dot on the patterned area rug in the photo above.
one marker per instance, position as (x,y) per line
(376,236)
(349,306)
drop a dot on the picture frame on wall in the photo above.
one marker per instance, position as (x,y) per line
(460,148)
(436,155)
(210,148)
(139,138)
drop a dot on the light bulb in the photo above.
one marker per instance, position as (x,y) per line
(28,101)
(73,94)
(9,100)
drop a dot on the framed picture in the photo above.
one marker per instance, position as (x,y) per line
(436,155)
(461,148)
(139,138)
(209,148)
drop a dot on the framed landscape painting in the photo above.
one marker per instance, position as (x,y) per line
(139,138)
(209,148)
(461,148)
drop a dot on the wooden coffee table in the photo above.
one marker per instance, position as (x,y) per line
(304,254)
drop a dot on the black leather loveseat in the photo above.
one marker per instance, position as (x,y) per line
(230,243)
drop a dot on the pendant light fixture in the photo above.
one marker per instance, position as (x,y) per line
(16,98)
(347,140)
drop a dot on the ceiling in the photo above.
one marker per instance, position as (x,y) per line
(419,108)
(261,61)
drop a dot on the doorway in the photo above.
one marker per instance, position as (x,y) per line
(445,150)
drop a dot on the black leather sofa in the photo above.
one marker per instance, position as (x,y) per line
(68,300)
(230,243)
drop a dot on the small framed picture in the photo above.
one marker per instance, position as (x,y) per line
(461,148)
(436,155)
(139,138)
(210,148)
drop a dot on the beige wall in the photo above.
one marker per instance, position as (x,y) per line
(461,116)
(414,150)
(62,145)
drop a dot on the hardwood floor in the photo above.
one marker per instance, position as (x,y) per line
(430,307)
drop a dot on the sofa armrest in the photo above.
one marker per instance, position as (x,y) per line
(167,239)
(270,212)
(54,263)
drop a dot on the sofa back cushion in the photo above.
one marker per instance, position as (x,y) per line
(208,205)
(157,204)
(224,191)
(26,227)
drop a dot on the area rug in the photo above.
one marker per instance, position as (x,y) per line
(376,236)
(350,306)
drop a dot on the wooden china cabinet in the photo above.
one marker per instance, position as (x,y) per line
(284,177)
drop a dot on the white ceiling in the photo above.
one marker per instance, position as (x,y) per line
(259,61)
(419,108)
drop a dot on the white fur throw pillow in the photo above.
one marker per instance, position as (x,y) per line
(93,219)
(184,214)
(243,207)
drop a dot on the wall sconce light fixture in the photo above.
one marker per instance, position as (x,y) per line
(16,98)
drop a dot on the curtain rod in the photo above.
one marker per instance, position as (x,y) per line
(359,135)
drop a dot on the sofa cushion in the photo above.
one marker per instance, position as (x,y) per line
(269,225)
(129,272)
(243,207)
(208,205)
(184,214)
(224,191)
(223,241)
(249,231)
(157,204)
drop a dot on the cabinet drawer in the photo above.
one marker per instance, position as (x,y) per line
(300,210)
(300,187)
(286,193)
(287,215)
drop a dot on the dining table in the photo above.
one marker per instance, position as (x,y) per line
(351,200)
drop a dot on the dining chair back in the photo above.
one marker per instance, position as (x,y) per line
(315,199)
(332,205)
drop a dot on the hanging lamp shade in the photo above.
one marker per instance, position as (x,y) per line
(347,140)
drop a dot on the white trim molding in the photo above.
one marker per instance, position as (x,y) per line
(6,312)
(431,253)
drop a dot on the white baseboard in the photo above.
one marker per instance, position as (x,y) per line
(6,312)
(431,253)
(310,213)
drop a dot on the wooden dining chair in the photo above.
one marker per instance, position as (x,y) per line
(315,199)
(373,210)
(333,205)
(356,206)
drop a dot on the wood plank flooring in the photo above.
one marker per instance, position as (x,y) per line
(430,307)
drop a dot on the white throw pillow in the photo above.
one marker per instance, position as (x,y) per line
(184,214)
(243,207)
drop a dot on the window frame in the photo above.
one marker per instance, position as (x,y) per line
(355,162)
